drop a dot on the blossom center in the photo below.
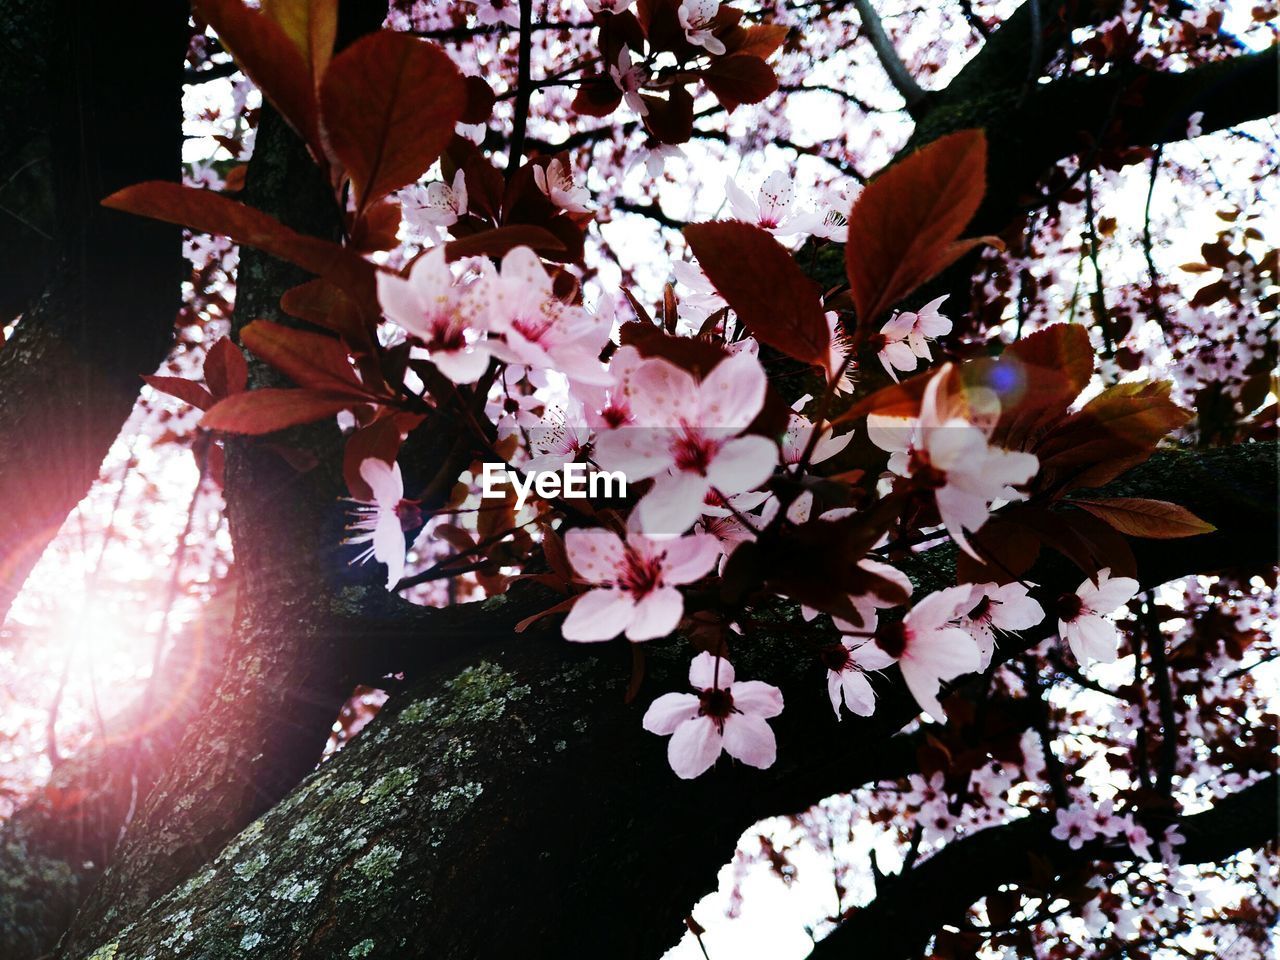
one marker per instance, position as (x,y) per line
(410,514)
(640,575)
(924,473)
(835,657)
(1070,606)
(693,452)
(892,638)
(716,704)
(982,610)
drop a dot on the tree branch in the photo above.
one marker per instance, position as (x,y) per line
(894,68)
(901,921)
(467,784)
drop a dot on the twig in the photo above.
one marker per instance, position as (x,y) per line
(524,88)
(896,70)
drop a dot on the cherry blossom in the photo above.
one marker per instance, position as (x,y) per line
(839,348)
(438,204)
(381,522)
(947,456)
(635,582)
(538,329)
(724,715)
(686,437)
(556,181)
(1075,825)
(1000,608)
(831,220)
(929,649)
(799,432)
(1082,616)
(847,683)
(696,18)
(430,305)
(702,299)
(771,207)
(655,156)
(629,79)
(560,437)
(492,12)
(904,339)
(609,6)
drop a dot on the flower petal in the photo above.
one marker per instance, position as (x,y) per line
(694,747)
(598,615)
(747,737)
(669,711)
(704,673)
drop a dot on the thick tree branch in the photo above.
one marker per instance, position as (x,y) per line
(483,777)
(902,919)
(78,123)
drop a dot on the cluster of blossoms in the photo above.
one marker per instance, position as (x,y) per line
(709,492)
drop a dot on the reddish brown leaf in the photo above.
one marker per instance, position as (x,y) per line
(496,243)
(1115,431)
(670,120)
(761,41)
(208,212)
(225,370)
(380,439)
(738,79)
(764,285)
(903,226)
(308,359)
(270,58)
(266,411)
(188,391)
(1153,519)
(480,100)
(312,25)
(390,103)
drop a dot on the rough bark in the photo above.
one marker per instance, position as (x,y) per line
(286,676)
(92,97)
(515,789)
(899,923)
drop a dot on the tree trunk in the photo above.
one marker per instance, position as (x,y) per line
(92,95)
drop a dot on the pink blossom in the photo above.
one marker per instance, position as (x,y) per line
(556,181)
(438,204)
(904,339)
(686,437)
(800,431)
(381,522)
(947,453)
(847,663)
(696,17)
(609,6)
(770,208)
(431,305)
(561,436)
(702,299)
(492,12)
(1075,825)
(629,78)
(608,406)
(1082,616)
(635,582)
(996,608)
(725,715)
(540,330)
(928,649)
